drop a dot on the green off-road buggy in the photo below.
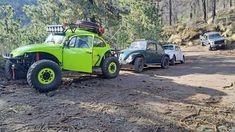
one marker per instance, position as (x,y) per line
(73,47)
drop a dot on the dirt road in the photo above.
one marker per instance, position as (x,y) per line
(198,95)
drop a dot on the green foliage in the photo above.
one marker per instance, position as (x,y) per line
(11,32)
(124,20)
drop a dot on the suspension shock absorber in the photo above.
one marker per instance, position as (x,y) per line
(37,57)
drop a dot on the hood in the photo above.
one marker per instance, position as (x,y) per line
(35,48)
(126,52)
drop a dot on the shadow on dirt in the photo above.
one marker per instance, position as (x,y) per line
(132,102)
(198,65)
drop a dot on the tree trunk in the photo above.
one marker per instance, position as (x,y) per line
(170,12)
(231,3)
(191,12)
(204,10)
(213,10)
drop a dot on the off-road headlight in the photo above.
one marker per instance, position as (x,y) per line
(129,59)
(55,28)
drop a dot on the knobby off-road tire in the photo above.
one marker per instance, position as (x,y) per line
(44,76)
(165,62)
(139,64)
(173,60)
(110,67)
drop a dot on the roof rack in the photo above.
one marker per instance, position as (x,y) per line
(83,25)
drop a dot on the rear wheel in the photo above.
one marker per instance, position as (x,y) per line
(183,61)
(173,60)
(110,67)
(44,76)
(165,62)
(139,64)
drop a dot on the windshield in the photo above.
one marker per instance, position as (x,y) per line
(141,45)
(213,36)
(168,47)
(55,39)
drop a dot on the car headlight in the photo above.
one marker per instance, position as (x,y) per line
(129,59)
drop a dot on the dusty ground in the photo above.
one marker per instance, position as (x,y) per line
(198,95)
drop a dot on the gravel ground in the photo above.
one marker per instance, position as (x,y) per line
(196,96)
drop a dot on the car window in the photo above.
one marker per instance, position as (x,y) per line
(72,42)
(213,36)
(98,42)
(177,48)
(151,46)
(81,42)
(159,48)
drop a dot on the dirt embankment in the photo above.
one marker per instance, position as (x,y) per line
(198,95)
(188,33)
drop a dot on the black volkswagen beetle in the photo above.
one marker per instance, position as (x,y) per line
(142,53)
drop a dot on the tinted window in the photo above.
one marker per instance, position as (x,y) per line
(72,42)
(213,36)
(140,45)
(151,46)
(98,42)
(168,47)
(81,42)
(177,48)
(159,48)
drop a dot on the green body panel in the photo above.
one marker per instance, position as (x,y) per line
(77,59)
(53,49)
(98,54)
(72,59)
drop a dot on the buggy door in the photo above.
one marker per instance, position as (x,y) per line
(77,56)
(99,48)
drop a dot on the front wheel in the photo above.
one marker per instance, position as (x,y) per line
(173,60)
(110,67)
(210,48)
(44,76)
(139,64)
(165,62)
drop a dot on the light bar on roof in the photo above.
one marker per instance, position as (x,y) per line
(55,29)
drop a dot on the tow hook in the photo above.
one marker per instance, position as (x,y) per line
(13,71)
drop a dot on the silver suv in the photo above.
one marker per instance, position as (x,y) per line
(212,39)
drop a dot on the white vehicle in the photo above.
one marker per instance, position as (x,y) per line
(213,39)
(175,53)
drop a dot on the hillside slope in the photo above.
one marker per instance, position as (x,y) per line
(18,6)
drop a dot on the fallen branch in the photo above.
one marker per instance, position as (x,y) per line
(190,116)
(225,87)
